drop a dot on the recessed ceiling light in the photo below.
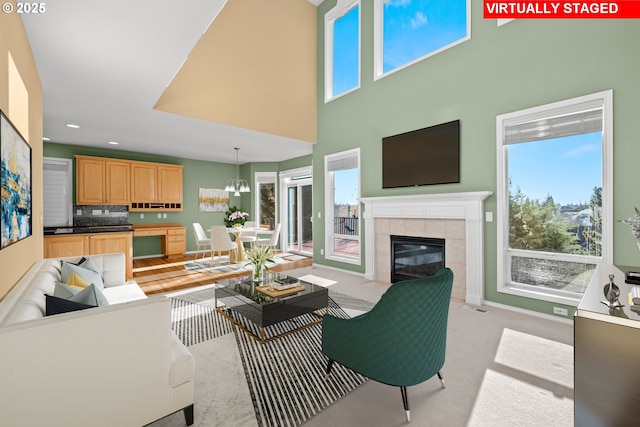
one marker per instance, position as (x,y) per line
(69,125)
(114,142)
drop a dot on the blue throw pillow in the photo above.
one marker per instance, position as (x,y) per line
(87,274)
(62,290)
(90,295)
(55,305)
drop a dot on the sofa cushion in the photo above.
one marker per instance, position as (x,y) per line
(65,291)
(91,295)
(123,293)
(88,275)
(57,305)
(182,363)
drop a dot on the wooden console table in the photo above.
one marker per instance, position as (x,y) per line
(173,236)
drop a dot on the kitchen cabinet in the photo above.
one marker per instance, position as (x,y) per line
(102,181)
(143,186)
(155,186)
(58,246)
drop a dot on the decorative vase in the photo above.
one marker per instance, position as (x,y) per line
(238,225)
(258,273)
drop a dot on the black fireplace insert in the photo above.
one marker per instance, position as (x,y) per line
(415,257)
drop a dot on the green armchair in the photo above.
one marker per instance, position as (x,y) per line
(401,341)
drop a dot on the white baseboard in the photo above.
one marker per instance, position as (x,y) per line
(564,320)
(314,265)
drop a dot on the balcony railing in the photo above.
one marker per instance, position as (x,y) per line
(346,225)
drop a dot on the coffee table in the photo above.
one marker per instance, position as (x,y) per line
(264,307)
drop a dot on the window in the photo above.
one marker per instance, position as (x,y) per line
(342,206)
(265,186)
(57,189)
(408,31)
(554,197)
(342,48)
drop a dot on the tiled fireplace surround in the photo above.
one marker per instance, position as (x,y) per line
(455,217)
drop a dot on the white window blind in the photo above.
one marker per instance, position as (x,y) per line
(338,164)
(558,126)
(57,192)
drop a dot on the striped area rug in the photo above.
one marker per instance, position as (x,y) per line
(285,376)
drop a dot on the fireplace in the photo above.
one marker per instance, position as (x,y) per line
(415,257)
(456,217)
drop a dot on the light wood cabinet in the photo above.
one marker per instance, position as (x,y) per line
(91,244)
(155,186)
(101,181)
(173,237)
(143,182)
(176,243)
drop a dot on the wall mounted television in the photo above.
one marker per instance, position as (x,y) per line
(425,156)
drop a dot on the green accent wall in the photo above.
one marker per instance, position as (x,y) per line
(197,174)
(522,64)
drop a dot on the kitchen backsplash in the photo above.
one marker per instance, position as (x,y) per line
(91,215)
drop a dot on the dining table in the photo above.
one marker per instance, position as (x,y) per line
(239,255)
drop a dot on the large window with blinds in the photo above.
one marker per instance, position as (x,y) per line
(554,197)
(342,206)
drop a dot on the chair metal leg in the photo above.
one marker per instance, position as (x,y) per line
(405,402)
(441,380)
(329,365)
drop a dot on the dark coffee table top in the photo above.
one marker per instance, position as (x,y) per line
(245,289)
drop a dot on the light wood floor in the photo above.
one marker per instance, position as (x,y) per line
(156,275)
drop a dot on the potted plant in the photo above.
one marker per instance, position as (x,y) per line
(235,217)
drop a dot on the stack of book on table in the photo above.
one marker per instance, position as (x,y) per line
(285,282)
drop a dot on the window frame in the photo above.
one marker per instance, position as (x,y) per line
(265,178)
(341,8)
(378,42)
(502,192)
(330,209)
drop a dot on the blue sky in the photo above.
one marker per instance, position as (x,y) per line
(412,29)
(566,168)
(346,186)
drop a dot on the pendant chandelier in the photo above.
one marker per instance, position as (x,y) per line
(237,185)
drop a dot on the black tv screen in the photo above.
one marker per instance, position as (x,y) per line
(422,157)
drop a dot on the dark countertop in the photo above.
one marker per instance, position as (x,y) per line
(48,231)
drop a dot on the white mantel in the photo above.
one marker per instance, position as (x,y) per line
(468,206)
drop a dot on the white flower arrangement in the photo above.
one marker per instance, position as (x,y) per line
(258,256)
(634,223)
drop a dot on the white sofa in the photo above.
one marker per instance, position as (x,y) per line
(117,365)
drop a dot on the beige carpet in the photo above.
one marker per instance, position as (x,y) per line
(503,369)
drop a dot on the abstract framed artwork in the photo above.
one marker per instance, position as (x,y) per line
(213,200)
(15,174)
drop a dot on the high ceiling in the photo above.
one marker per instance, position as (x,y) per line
(185,79)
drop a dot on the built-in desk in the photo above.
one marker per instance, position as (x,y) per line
(173,236)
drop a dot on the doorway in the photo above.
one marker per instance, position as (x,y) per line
(297,212)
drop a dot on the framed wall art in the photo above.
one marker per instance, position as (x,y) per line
(213,200)
(15,175)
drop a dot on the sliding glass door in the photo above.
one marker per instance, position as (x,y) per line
(297,226)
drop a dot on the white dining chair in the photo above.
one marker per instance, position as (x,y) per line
(220,241)
(249,236)
(271,241)
(202,240)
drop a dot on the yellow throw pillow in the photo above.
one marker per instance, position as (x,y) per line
(76,281)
